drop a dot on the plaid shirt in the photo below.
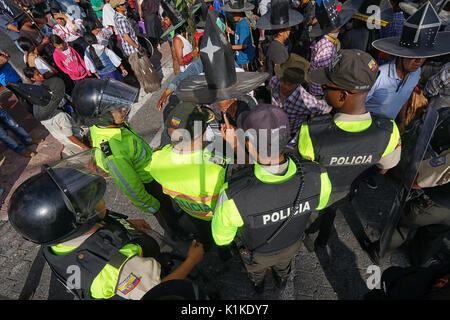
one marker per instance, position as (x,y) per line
(123,26)
(395,28)
(322,52)
(298,106)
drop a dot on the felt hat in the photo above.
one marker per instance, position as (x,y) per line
(220,81)
(420,36)
(280,16)
(332,15)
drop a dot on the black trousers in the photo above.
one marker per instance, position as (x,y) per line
(204,234)
(322,221)
(167,216)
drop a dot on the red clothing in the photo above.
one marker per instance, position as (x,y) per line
(73,66)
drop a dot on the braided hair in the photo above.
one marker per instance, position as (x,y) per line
(91,39)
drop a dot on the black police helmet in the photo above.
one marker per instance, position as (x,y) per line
(93,99)
(56,205)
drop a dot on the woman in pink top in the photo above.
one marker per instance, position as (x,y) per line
(68,60)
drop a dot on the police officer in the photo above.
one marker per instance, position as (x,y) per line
(120,150)
(187,171)
(62,209)
(426,215)
(350,141)
(264,208)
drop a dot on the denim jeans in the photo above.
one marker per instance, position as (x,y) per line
(6,122)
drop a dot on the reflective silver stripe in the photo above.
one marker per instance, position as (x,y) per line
(222,198)
(113,167)
(144,152)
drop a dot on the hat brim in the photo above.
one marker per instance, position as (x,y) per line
(295,18)
(279,71)
(247,7)
(319,76)
(346,15)
(195,88)
(391,46)
(172,28)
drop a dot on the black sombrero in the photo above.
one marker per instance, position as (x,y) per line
(237,6)
(420,36)
(331,15)
(280,16)
(220,81)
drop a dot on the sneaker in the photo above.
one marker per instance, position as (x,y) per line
(371,183)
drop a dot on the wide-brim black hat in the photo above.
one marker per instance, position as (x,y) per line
(348,9)
(237,6)
(220,81)
(420,37)
(391,46)
(280,16)
(195,88)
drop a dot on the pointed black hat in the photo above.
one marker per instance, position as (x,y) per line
(220,81)
(420,36)
(237,6)
(46,96)
(331,15)
(411,7)
(280,16)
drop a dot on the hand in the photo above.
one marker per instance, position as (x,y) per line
(140,224)
(46,40)
(195,252)
(124,72)
(163,99)
(229,132)
(229,30)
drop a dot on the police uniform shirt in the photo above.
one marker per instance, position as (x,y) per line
(435,171)
(360,122)
(133,280)
(227,218)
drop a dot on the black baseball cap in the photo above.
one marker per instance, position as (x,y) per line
(184,114)
(265,117)
(349,69)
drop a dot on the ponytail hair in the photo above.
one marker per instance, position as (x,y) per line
(91,39)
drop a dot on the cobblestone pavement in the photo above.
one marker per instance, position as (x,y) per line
(339,272)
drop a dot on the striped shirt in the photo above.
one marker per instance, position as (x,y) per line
(123,26)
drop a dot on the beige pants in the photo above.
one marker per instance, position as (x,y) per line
(279,261)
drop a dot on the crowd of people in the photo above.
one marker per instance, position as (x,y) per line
(277,112)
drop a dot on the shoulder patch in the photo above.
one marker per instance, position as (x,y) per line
(127,285)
